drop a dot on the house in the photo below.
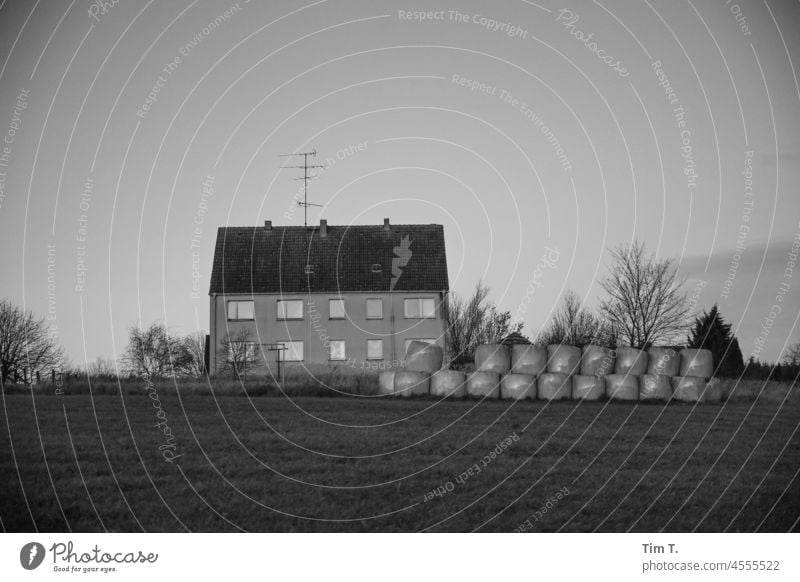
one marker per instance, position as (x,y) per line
(341,295)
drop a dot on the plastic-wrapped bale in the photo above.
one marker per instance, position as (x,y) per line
(410,383)
(597,361)
(528,359)
(698,363)
(688,388)
(563,359)
(518,386)
(484,384)
(386,382)
(655,387)
(424,357)
(631,361)
(448,383)
(492,358)
(622,387)
(554,386)
(588,387)
(713,390)
(663,361)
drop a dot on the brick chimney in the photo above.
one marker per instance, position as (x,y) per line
(386,224)
(323,228)
(267,225)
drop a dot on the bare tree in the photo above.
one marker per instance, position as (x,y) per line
(792,355)
(154,353)
(196,345)
(237,353)
(26,346)
(474,321)
(644,303)
(575,325)
(102,368)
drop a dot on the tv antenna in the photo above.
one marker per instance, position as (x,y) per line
(305,178)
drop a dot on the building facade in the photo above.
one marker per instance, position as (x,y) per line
(335,295)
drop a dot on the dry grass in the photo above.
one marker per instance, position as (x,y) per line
(354,463)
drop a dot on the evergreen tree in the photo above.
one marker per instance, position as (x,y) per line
(710,332)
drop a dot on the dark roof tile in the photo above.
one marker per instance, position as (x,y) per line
(295,259)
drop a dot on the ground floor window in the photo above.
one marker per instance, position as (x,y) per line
(293,351)
(337,350)
(375,349)
(427,341)
(242,352)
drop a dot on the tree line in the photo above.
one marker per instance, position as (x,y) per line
(643,306)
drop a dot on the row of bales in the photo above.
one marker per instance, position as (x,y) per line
(555,372)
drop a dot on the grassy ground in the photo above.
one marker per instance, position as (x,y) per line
(93,463)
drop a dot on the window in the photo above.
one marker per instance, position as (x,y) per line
(375,349)
(420,308)
(240,310)
(427,341)
(337,350)
(290,309)
(292,353)
(336,307)
(242,352)
(374,308)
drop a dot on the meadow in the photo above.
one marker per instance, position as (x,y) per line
(94,459)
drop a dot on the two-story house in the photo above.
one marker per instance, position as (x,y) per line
(341,295)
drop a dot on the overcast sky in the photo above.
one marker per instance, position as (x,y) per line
(524,128)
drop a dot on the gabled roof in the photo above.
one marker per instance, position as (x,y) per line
(297,259)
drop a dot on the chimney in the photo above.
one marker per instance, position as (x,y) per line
(386,224)
(268,225)
(323,228)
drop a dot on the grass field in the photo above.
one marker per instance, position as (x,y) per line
(85,463)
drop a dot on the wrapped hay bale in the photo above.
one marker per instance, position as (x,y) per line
(688,388)
(713,390)
(597,361)
(492,358)
(484,384)
(622,387)
(553,386)
(448,383)
(563,359)
(518,387)
(386,382)
(588,387)
(411,383)
(424,357)
(698,363)
(631,361)
(663,361)
(528,359)
(655,387)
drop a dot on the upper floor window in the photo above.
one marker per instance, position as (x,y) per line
(420,308)
(241,310)
(374,308)
(336,308)
(290,309)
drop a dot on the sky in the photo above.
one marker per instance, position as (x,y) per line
(540,135)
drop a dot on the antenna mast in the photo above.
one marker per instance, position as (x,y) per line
(305,167)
